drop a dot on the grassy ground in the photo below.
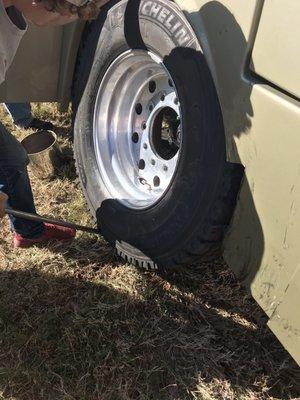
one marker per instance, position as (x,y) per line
(77,323)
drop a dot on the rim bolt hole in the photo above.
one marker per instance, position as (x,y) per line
(142,164)
(156,181)
(153,162)
(152,86)
(165,168)
(176,101)
(145,146)
(162,97)
(139,108)
(144,126)
(170,83)
(135,137)
(151,107)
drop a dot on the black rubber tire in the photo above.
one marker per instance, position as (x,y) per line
(189,222)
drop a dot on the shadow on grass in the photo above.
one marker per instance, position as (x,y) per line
(87,250)
(66,166)
(116,333)
(63,132)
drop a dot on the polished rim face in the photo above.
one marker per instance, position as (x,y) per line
(137,129)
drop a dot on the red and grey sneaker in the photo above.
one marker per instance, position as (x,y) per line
(51,233)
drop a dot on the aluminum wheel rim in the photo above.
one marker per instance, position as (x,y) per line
(137,129)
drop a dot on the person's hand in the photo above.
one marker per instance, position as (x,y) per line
(3,200)
(37,13)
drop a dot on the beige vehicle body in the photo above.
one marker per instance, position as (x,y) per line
(252,48)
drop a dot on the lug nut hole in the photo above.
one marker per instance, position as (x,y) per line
(142,164)
(152,86)
(139,108)
(135,137)
(156,181)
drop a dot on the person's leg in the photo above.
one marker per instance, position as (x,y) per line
(20,113)
(15,183)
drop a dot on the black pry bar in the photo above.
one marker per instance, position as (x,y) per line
(39,218)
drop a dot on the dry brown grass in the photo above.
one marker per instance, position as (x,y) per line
(76,323)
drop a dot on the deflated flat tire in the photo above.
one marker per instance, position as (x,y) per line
(149,137)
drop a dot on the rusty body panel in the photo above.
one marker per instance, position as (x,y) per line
(262,125)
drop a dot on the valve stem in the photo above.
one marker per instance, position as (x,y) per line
(145,183)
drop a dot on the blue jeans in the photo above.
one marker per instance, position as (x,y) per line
(14,181)
(20,113)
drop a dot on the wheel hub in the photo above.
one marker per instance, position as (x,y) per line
(137,129)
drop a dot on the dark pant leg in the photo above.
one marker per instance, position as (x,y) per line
(20,113)
(14,181)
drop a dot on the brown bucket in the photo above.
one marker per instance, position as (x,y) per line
(44,153)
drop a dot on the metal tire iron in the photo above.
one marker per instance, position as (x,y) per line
(39,218)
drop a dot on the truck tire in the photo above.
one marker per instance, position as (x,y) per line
(149,138)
